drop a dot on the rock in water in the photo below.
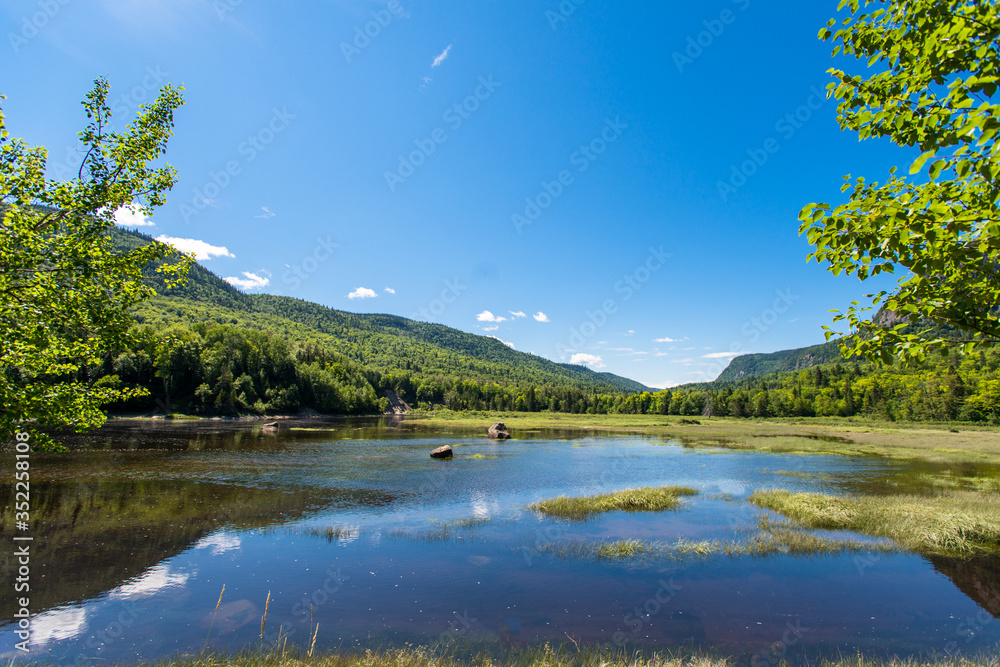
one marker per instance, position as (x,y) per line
(499,432)
(442,452)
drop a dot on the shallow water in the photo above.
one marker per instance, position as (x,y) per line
(353,526)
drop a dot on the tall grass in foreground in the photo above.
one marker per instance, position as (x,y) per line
(648,499)
(536,656)
(962,523)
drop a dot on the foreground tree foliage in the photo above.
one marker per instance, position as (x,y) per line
(65,293)
(932,83)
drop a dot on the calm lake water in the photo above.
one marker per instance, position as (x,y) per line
(352,526)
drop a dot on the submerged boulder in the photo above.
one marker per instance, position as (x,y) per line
(498,432)
(270,427)
(442,452)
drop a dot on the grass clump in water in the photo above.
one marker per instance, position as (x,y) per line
(337,533)
(962,523)
(648,499)
(616,550)
(622,549)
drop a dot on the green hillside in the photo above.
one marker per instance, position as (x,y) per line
(756,365)
(196,343)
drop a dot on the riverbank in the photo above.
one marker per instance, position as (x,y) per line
(956,443)
(544,655)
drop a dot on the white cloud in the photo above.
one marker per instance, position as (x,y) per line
(390,290)
(665,340)
(151,582)
(130,216)
(59,624)
(517,313)
(266,213)
(199,249)
(510,345)
(487,316)
(442,56)
(541,317)
(585,359)
(493,328)
(219,543)
(363,293)
(249,282)
(662,354)
(629,332)
(723,355)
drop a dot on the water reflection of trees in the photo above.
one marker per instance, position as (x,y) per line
(979,578)
(91,536)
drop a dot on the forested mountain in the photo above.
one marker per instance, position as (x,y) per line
(756,365)
(197,340)
(209,348)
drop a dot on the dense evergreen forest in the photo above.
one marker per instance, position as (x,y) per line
(210,349)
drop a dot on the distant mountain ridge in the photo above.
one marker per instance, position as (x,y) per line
(386,337)
(757,365)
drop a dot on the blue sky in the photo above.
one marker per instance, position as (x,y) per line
(563,176)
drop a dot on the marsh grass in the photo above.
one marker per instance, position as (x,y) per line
(536,655)
(442,532)
(648,499)
(957,523)
(337,533)
(769,538)
(803,475)
(939,443)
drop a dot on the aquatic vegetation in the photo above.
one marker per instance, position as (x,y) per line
(769,538)
(802,475)
(442,532)
(491,654)
(622,549)
(648,499)
(337,533)
(951,523)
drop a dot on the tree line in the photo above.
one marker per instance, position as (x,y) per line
(224,369)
